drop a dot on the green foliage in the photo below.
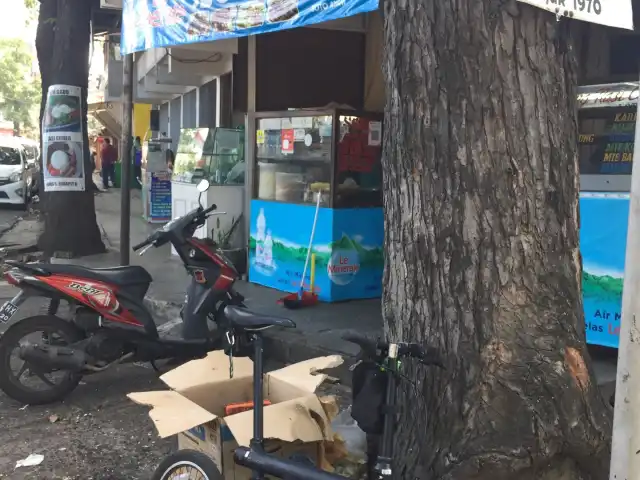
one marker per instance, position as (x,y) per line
(32,10)
(19,88)
(601,287)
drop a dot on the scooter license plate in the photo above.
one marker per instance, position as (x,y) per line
(7,311)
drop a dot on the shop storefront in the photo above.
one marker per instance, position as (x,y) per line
(285,152)
(300,146)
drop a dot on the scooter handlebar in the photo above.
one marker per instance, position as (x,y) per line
(371,347)
(141,244)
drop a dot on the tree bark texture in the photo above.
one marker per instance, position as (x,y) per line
(63,45)
(482,249)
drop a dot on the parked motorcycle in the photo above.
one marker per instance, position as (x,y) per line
(110,324)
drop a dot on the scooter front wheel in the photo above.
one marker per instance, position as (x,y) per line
(40,387)
(187,465)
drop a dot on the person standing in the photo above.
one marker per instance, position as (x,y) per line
(170,158)
(137,159)
(109,156)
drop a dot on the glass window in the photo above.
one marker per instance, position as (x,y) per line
(9,156)
(216,154)
(293,153)
(606,141)
(358,166)
(189,165)
(224,154)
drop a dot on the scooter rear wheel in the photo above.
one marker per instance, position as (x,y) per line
(187,465)
(10,383)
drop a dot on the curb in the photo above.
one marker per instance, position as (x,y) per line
(16,248)
(12,225)
(280,345)
(288,347)
(105,236)
(168,312)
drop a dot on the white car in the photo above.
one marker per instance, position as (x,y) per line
(32,172)
(13,169)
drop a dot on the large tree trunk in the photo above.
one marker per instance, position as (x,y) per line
(71,228)
(481,231)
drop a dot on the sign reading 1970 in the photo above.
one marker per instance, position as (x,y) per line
(614,13)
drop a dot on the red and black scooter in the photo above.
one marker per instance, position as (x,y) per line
(109,322)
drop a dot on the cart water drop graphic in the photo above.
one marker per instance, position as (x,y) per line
(345,261)
(263,261)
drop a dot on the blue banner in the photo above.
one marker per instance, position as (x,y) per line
(603,240)
(164,23)
(160,197)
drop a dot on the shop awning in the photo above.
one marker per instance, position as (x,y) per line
(164,23)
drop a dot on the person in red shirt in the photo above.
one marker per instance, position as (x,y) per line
(109,156)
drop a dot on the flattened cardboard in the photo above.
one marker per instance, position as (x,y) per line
(172,413)
(301,419)
(307,375)
(202,388)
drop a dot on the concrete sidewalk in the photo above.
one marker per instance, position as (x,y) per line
(319,328)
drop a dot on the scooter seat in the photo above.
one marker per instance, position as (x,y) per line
(247,320)
(121,276)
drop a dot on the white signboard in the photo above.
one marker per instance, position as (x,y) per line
(609,95)
(614,13)
(62,141)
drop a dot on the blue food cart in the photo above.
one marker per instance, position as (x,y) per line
(294,153)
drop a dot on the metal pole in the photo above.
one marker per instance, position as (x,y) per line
(126,143)
(626,420)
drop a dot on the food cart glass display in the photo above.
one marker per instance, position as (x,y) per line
(216,154)
(607,122)
(298,153)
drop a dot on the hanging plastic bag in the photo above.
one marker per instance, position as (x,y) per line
(354,438)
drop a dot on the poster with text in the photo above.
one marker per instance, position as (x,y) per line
(603,239)
(63,147)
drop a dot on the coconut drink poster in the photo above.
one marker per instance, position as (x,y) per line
(63,146)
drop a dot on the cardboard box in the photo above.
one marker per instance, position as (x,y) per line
(295,422)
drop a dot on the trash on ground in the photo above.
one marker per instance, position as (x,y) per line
(347,452)
(31,461)
(54,418)
(355,440)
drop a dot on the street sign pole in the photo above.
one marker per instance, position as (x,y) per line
(626,420)
(126,143)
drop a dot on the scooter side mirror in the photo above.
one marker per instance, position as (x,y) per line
(202,187)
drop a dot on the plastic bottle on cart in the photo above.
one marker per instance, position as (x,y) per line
(268,250)
(261,226)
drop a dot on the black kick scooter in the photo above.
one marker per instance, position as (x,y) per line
(379,360)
